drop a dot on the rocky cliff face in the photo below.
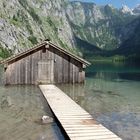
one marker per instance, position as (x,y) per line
(23,23)
(131,46)
(103,26)
(136,10)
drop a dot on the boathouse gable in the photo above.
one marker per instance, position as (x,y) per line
(44,64)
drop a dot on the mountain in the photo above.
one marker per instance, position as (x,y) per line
(92,29)
(23,23)
(136,10)
(132,44)
(113,31)
(126,10)
(102,26)
(86,48)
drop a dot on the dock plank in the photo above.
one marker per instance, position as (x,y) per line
(77,123)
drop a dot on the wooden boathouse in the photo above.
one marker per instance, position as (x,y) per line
(45,63)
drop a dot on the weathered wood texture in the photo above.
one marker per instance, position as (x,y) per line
(77,123)
(61,69)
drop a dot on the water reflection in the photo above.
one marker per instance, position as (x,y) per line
(94,95)
(75,91)
(1,74)
(113,71)
(111,94)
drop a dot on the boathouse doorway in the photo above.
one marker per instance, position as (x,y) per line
(46,71)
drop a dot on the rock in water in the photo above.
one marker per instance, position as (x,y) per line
(9,100)
(47,119)
(6,102)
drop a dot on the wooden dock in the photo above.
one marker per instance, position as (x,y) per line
(77,123)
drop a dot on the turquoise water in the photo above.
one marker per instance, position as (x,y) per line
(112,95)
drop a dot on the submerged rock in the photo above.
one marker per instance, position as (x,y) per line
(6,102)
(46,119)
(9,100)
(97,91)
(112,93)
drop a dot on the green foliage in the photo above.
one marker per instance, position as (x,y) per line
(20,19)
(52,24)
(33,39)
(114,59)
(14,22)
(62,44)
(23,3)
(34,15)
(65,3)
(4,52)
(72,50)
(29,28)
(118,58)
(4,4)
(15,18)
(31,11)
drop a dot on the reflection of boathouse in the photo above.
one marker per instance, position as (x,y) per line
(45,63)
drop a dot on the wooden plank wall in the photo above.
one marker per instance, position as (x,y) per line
(25,71)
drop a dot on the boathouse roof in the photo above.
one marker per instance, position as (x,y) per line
(40,46)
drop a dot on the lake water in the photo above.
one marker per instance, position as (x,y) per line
(111,94)
(21,108)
